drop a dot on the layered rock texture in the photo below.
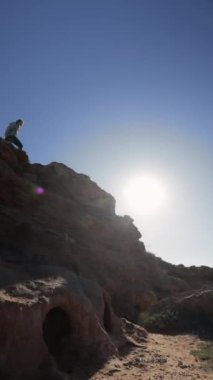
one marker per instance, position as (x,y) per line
(69,269)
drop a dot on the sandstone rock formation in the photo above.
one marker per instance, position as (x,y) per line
(69,268)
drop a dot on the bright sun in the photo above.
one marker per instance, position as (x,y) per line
(145,195)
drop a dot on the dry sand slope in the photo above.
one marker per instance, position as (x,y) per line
(162,357)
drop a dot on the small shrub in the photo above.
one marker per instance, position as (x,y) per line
(165,320)
(205,354)
(176,319)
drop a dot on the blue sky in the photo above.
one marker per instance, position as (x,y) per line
(115,88)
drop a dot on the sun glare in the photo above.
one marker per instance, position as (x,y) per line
(145,195)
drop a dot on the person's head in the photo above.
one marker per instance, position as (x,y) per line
(20,122)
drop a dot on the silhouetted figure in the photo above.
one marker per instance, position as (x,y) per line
(12,131)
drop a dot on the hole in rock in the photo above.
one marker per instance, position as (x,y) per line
(56,332)
(107,318)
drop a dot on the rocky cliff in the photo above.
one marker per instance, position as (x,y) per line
(69,268)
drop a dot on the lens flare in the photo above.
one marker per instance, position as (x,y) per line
(39,190)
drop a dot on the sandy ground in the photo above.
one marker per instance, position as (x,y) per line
(161,357)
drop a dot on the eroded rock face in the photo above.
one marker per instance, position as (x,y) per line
(50,316)
(52,215)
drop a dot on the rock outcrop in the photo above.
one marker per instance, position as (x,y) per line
(69,268)
(191,311)
(51,316)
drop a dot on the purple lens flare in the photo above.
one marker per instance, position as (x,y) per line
(39,190)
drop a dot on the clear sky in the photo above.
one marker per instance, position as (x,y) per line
(116,88)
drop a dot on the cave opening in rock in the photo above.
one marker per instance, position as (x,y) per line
(56,332)
(107,318)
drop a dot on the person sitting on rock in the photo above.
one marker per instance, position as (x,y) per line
(12,131)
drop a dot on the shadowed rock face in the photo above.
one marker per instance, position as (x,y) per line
(53,316)
(68,260)
(191,312)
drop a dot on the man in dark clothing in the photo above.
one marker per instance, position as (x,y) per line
(12,131)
